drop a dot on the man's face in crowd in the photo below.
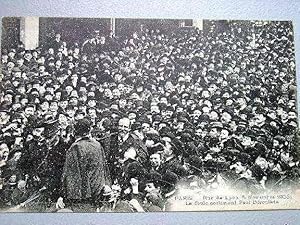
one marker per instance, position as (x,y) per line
(69,89)
(116,93)
(213,115)
(4,58)
(132,116)
(57,37)
(10,65)
(4,152)
(4,116)
(20,62)
(241,102)
(58,64)
(229,102)
(122,103)
(107,93)
(118,77)
(196,114)
(124,126)
(21,89)
(29,111)
(155,160)
(37,132)
(73,101)
(92,103)
(16,106)
(284,116)
(11,54)
(24,101)
(45,106)
(214,132)
(145,127)
(42,69)
(79,116)
(70,112)
(151,189)
(259,119)
(154,109)
(50,89)
(292,115)
(206,110)
(224,134)
(8,98)
(246,141)
(92,113)
(63,120)
(53,107)
(135,96)
(51,51)
(226,117)
(179,109)
(34,54)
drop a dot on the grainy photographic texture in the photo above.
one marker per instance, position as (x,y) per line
(143,115)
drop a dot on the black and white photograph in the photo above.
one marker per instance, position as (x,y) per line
(147,115)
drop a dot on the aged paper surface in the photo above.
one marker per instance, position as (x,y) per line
(143,115)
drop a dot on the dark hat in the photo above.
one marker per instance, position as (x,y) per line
(136,126)
(169,179)
(51,127)
(135,170)
(16,69)
(216,125)
(195,162)
(153,177)
(167,134)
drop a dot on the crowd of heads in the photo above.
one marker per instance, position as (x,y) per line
(220,101)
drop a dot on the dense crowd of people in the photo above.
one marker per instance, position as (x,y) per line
(190,109)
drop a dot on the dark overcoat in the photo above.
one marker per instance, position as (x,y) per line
(85,170)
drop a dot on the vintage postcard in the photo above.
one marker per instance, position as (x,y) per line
(147,115)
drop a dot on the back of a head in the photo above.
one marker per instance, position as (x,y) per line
(82,127)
